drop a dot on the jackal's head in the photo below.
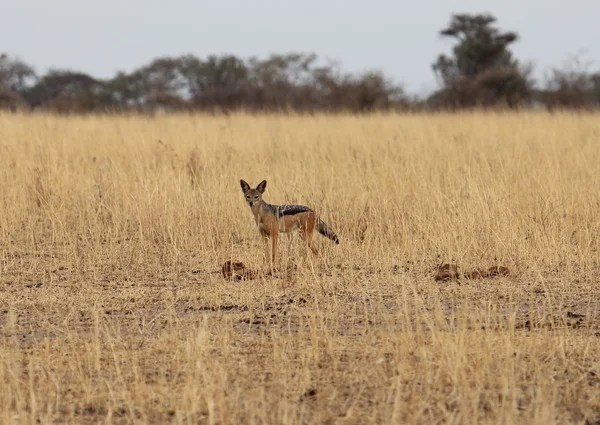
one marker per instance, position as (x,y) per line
(253,196)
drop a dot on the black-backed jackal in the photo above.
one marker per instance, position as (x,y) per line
(274,219)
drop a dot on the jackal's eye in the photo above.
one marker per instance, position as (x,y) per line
(256,198)
(248,197)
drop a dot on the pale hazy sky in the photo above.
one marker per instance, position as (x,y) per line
(397,37)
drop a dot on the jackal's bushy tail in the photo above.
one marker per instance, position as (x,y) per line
(327,232)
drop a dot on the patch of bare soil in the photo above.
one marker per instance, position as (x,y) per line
(236,270)
(446,272)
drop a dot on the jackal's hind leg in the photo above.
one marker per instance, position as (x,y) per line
(307,231)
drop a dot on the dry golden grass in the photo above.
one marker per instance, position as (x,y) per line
(113,308)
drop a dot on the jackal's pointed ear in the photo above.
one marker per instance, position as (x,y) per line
(262,186)
(245,186)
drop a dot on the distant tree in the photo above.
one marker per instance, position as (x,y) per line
(160,84)
(219,82)
(296,81)
(12,101)
(367,92)
(284,81)
(375,92)
(15,74)
(175,83)
(69,91)
(595,89)
(482,71)
(572,86)
(127,91)
(15,78)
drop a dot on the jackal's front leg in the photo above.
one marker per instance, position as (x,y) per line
(274,235)
(265,241)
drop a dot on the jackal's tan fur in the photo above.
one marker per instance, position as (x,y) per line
(274,219)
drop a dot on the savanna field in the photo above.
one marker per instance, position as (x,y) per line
(114,308)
